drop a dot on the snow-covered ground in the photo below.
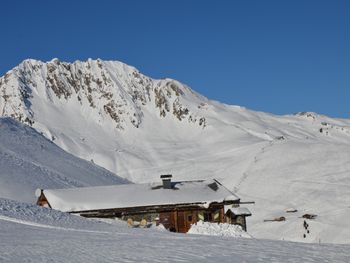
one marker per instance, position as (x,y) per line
(33,234)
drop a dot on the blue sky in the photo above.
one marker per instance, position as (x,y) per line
(274,56)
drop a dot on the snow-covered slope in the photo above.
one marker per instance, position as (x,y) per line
(139,128)
(34,234)
(100,110)
(29,161)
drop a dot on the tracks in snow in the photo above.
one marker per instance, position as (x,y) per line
(256,159)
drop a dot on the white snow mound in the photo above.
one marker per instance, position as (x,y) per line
(214,229)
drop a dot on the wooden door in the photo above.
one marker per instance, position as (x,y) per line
(167,219)
(185,219)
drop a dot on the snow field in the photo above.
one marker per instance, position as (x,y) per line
(32,234)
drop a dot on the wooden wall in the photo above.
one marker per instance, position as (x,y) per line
(181,220)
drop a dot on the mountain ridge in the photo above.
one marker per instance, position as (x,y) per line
(88,80)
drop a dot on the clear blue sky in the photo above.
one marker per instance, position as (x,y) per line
(273,56)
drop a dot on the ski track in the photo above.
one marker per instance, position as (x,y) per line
(256,159)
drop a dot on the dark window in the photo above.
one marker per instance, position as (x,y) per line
(213,186)
(207,217)
(189,218)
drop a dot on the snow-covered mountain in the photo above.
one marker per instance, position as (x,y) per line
(137,127)
(97,110)
(29,161)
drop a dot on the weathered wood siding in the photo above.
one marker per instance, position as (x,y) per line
(168,220)
(176,218)
(185,219)
(42,201)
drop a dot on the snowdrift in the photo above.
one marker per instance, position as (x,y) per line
(214,229)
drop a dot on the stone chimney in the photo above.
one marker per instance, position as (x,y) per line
(166,178)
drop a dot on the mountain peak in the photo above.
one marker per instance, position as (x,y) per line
(110,89)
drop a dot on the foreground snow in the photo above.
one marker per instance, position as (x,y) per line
(34,234)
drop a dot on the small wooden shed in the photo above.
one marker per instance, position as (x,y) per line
(176,205)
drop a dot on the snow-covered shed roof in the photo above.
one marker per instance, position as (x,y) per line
(238,210)
(201,193)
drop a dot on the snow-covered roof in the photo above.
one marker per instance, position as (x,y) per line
(238,210)
(202,193)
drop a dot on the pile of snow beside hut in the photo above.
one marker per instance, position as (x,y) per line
(217,229)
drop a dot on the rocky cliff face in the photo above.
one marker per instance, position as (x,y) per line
(112,90)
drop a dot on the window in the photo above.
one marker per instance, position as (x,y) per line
(189,218)
(216,216)
(201,215)
(213,186)
(204,216)
(209,216)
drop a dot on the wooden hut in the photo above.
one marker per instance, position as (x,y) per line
(176,205)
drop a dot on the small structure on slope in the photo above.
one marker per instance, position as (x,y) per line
(176,205)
